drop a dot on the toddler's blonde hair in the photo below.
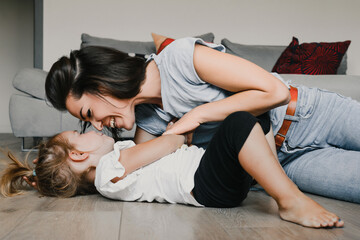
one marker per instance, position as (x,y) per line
(53,174)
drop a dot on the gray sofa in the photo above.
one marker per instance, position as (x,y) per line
(32,116)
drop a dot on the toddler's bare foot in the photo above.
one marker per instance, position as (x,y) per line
(308,213)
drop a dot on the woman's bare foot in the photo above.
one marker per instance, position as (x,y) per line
(308,213)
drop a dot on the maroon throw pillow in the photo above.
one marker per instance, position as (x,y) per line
(311,58)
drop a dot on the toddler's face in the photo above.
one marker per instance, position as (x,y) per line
(92,142)
(92,145)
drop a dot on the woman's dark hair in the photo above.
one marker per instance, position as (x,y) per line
(95,70)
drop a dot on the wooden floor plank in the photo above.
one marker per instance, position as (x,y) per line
(258,218)
(257,209)
(168,221)
(83,217)
(68,225)
(14,210)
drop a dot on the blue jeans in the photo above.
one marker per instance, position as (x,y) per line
(321,152)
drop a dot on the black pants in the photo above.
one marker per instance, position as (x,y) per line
(220,181)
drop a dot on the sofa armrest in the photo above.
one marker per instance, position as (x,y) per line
(31,81)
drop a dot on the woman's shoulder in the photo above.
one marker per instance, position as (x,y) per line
(182,46)
(187,45)
(176,62)
(177,57)
(182,42)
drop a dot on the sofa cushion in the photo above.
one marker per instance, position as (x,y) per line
(31,81)
(265,55)
(311,58)
(134,47)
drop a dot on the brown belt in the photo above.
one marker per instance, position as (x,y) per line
(280,136)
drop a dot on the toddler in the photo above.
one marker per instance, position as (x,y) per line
(166,170)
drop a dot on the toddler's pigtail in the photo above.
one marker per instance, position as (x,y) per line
(12,181)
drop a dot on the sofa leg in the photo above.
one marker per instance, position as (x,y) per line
(35,142)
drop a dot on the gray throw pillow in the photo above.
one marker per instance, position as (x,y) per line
(265,55)
(125,46)
(343,65)
(129,46)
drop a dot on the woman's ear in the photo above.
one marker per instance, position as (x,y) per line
(77,156)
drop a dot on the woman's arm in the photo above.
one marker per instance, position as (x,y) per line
(145,153)
(256,90)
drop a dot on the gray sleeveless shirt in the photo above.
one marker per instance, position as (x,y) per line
(182,90)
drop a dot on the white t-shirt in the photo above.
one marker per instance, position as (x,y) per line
(170,179)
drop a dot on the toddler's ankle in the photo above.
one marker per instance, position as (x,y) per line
(289,201)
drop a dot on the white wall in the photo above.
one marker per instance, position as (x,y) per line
(249,22)
(16,49)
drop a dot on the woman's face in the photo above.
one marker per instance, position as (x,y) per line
(103,111)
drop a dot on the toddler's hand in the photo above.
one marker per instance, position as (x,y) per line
(170,124)
(188,136)
(186,124)
(32,184)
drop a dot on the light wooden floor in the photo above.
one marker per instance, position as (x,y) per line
(94,217)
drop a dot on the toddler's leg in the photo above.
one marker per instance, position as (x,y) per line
(258,160)
(220,181)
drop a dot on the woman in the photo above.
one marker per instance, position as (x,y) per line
(200,85)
